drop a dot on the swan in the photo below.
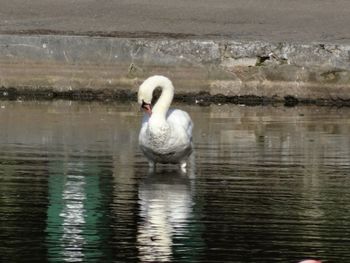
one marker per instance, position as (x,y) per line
(166,134)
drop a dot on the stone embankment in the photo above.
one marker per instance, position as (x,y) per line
(221,70)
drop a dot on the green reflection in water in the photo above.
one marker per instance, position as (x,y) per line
(54,220)
(74,212)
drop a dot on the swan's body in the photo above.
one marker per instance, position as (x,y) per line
(166,135)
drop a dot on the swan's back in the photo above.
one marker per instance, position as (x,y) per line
(182,119)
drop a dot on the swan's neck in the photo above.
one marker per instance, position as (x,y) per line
(158,126)
(161,107)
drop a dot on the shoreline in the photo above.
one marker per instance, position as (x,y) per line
(201,98)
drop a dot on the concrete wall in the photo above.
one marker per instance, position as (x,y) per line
(59,64)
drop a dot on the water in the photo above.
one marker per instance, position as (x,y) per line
(267,185)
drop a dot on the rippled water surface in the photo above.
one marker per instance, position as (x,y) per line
(265,184)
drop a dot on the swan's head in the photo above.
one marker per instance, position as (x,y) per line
(144,97)
(145,94)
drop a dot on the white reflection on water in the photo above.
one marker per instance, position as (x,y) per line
(73,213)
(67,212)
(165,206)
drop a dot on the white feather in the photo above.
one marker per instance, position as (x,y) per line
(165,135)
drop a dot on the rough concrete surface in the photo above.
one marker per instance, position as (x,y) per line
(271,50)
(268,20)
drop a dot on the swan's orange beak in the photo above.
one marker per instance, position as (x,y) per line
(146,107)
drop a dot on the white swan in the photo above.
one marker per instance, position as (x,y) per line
(165,135)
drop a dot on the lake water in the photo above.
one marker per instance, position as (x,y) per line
(266,184)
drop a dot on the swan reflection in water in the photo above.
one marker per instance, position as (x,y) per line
(165,199)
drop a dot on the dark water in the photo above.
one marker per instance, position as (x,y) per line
(266,185)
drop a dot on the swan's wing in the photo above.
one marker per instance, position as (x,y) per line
(178,138)
(180,118)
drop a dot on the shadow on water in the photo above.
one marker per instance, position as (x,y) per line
(266,185)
